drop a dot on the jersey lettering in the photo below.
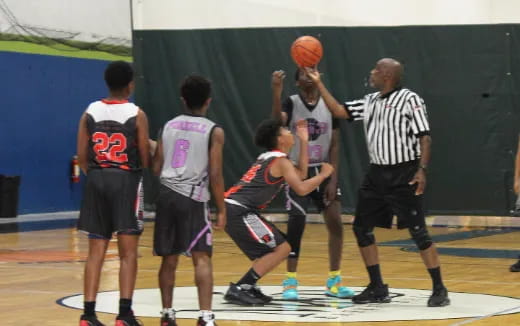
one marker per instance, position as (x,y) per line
(110,148)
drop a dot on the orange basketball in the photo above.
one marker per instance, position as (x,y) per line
(306,51)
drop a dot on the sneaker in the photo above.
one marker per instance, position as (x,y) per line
(439,298)
(237,295)
(334,288)
(85,320)
(167,320)
(515,267)
(290,289)
(260,295)
(201,322)
(128,321)
(373,294)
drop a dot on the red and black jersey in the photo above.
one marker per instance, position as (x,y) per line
(257,187)
(113,135)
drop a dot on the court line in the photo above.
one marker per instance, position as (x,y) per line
(467,321)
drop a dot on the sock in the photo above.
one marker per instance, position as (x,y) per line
(125,307)
(207,315)
(291,274)
(375,275)
(250,278)
(89,308)
(333,274)
(435,274)
(168,312)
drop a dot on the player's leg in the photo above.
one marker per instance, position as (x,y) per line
(127,247)
(332,217)
(263,243)
(166,285)
(204,281)
(297,210)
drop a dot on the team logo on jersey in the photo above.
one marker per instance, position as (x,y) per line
(312,307)
(316,128)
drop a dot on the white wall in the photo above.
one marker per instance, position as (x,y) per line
(200,14)
(91,20)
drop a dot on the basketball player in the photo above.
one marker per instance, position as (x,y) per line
(260,240)
(516,266)
(188,157)
(323,147)
(112,150)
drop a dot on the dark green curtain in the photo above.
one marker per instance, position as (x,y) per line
(467,75)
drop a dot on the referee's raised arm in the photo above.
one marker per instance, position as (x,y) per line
(336,109)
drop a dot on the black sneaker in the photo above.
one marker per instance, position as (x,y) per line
(373,294)
(515,267)
(201,322)
(260,295)
(85,320)
(439,298)
(237,295)
(128,321)
(167,321)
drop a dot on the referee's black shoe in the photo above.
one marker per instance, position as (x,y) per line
(439,298)
(373,294)
(242,296)
(515,267)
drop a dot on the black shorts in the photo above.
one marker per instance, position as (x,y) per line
(112,202)
(182,225)
(385,192)
(252,233)
(299,205)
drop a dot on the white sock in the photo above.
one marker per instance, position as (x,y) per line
(170,312)
(207,315)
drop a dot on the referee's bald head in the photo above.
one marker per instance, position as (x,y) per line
(391,69)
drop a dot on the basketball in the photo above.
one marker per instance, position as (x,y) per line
(306,51)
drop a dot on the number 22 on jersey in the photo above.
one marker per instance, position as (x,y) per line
(110,148)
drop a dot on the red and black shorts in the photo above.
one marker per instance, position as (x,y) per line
(252,233)
(112,203)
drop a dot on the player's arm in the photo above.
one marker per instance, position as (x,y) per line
(331,190)
(277,88)
(284,167)
(517,169)
(336,109)
(142,138)
(302,132)
(215,174)
(158,158)
(82,146)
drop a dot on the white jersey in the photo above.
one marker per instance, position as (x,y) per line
(186,141)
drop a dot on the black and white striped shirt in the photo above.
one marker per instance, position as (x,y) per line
(393,124)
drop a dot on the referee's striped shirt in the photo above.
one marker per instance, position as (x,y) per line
(393,124)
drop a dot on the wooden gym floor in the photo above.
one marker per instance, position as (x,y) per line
(41,262)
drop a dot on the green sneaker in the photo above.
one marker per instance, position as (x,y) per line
(334,288)
(290,289)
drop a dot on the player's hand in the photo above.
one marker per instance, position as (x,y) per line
(220,222)
(420,179)
(302,130)
(152,144)
(277,80)
(331,192)
(517,186)
(326,169)
(313,74)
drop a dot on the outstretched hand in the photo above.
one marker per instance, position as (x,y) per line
(277,80)
(313,74)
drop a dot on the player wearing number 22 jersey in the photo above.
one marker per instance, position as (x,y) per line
(112,150)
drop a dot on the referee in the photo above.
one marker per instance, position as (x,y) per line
(398,141)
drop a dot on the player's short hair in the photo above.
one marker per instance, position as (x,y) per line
(195,90)
(118,75)
(267,133)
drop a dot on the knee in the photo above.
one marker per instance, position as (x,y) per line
(421,237)
(170,262)
(364,236)
(284,249)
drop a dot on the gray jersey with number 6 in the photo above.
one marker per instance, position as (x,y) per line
(185,141)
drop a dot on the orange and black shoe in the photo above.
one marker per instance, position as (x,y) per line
(85,320)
